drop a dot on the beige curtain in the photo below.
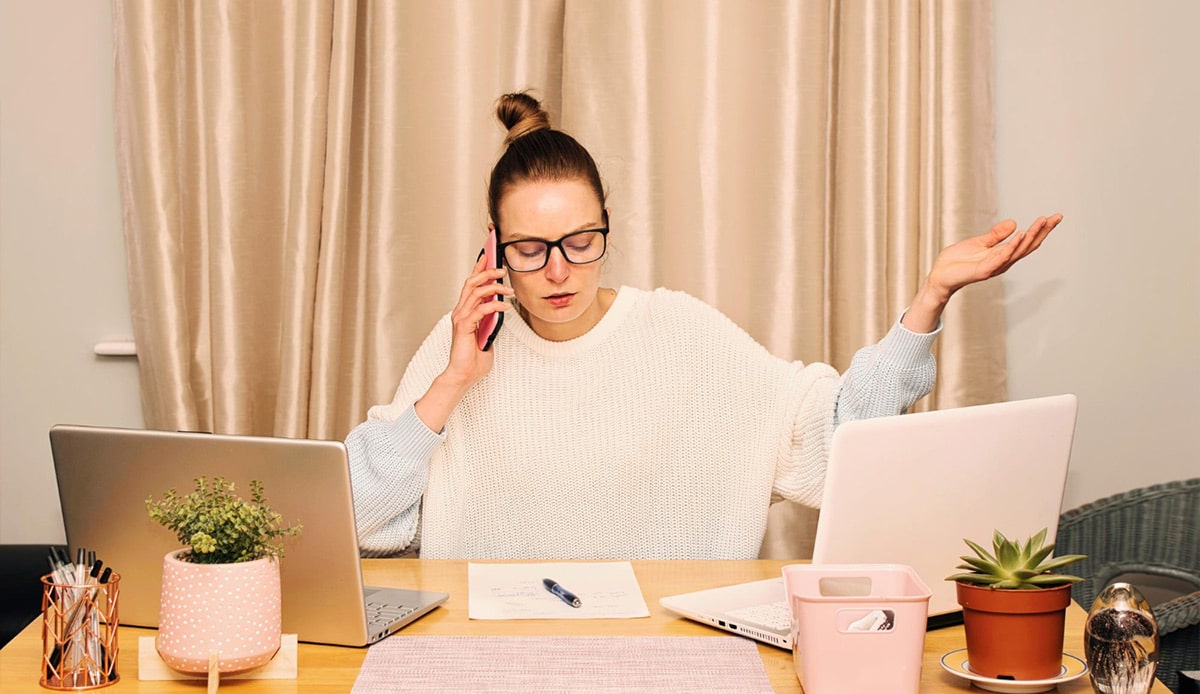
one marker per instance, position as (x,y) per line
(302,186)
(303,182)
(797,164)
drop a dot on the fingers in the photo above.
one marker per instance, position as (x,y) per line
(469,284)
(1001,258)
(469,322)
(480,284)
(1048,227)
(1028,241)
(1004,229)
(1012,256)
(1035,235)
(1001,231)
(475,302)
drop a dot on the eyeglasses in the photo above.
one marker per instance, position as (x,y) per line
(579,248)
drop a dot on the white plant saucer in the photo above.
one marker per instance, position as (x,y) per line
(955,663)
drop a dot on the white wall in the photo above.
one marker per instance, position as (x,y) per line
(1097,109)
(62,262)
(1098,116)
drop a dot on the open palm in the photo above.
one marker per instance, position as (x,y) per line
(985,256)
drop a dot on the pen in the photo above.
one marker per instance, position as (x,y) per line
(562,593)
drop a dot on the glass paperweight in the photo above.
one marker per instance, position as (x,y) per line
(1120,641)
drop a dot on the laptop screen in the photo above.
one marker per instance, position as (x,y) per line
(908,489)
(105,476)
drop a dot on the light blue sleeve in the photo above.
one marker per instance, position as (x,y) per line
(887,377)
(389,467)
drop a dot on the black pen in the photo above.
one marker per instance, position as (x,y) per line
(562,593)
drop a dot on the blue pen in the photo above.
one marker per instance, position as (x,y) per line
(562,593)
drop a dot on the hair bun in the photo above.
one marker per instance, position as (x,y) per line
(521,114)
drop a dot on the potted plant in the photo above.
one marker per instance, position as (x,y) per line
(1014,607)
(220,593)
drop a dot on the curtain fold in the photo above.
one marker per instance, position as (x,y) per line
(303,183)
(220,130)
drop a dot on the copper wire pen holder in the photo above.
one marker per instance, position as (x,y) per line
(79,634)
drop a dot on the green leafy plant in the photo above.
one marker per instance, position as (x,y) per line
(1015,566)
(219,526)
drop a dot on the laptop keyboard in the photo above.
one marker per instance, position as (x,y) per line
(383,614)
(771,615)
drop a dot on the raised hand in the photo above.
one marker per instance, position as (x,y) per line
(974,260)
(985,256)
(467,362)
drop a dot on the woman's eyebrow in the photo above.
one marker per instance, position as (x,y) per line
(516,236)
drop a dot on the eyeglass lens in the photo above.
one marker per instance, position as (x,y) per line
(578,248)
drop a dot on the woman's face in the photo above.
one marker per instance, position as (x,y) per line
(560,298)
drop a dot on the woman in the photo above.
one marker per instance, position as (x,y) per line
(609,423)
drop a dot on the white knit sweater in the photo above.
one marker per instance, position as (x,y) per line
(660,433)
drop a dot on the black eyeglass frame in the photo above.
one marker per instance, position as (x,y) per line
(551,245)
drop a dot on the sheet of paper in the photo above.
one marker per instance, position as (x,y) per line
(515,591)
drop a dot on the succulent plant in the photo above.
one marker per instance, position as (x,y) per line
(1016,566)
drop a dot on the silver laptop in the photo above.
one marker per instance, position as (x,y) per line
(907,490)
(105,476)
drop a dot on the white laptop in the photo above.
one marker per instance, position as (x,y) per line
(907,490)
(105,476)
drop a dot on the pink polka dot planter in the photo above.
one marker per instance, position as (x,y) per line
(232,610)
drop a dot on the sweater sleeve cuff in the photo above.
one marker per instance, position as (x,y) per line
(408,433)
(903,346)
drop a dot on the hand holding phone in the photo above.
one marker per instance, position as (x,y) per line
(489,325)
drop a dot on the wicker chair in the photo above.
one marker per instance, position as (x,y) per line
(1153,530)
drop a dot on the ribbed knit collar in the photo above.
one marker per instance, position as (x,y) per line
(626,299)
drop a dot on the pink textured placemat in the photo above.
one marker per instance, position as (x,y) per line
(528,664)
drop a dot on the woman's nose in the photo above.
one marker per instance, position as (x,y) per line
(557,268)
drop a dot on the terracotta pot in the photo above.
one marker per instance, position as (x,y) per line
(1014,634)
(232,610)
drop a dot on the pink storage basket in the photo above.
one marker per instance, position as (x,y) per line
(857,627)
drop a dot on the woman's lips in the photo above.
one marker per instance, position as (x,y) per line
(559,300)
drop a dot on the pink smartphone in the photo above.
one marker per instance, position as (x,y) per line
(489,327)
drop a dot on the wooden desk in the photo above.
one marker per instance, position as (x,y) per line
(334,669)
